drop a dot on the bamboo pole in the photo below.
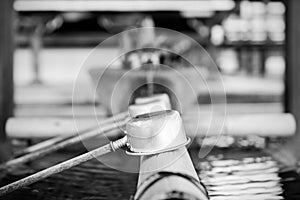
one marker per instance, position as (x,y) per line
(265,125)
(112,146)
(47,127)
(60,138)
(74,140)
(41,145)
(273,124)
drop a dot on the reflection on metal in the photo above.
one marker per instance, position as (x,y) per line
(166,174)
(156,132)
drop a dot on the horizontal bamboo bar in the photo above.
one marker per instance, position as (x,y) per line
(60,138)
(66,143)
(47,127)
(273,124)
(266,125)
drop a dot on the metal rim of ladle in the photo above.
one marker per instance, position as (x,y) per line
(132,153)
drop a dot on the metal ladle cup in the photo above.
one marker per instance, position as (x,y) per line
(156,132)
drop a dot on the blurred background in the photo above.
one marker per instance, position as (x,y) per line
(245,38)
(254,44)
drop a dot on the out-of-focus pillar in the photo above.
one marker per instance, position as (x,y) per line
(6,71)
(292,78)
(292,93)
(36,46)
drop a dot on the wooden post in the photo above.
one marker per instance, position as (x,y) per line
(6,71)
(289,153)
(292,93)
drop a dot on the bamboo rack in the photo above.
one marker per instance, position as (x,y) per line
(273,124)
(63,144)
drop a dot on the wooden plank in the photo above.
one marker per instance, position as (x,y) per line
(238,88)
(6,75)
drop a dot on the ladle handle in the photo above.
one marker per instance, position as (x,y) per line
(113,146)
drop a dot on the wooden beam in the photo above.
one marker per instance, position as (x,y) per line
(6,71)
